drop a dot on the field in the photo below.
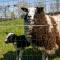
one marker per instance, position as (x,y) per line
(7,51)
(7,26)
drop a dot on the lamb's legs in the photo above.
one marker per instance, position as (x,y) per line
(17,54)
(20,55)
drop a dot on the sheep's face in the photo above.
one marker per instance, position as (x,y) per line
(32,11)
(10,38)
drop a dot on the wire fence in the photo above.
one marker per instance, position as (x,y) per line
(7,7)
(11,20)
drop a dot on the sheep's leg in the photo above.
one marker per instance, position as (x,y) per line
(17,54)
(20,54)
(43,55)
(47,57)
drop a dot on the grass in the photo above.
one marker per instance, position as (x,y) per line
(7,51)
(6,27)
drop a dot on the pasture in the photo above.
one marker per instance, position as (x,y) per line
(6,27)
(7,51)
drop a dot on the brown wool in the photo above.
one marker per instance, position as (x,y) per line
(41,35)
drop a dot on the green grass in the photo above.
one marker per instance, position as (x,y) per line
(6,27)
(7,51)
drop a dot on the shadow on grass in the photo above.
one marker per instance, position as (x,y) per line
(28,54)
(57,55)
(9,56)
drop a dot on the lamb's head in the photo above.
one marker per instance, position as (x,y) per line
(10,38)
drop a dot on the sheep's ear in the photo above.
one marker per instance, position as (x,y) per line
(40,9)
(24,9)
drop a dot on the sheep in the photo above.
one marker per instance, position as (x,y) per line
(44,30)
(20,42)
